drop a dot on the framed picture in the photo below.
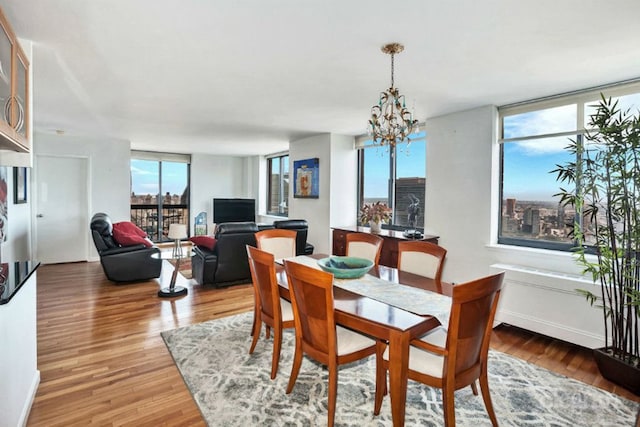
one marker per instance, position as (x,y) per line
(306,181)
(19,185)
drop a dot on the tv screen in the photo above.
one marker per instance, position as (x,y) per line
(234,210)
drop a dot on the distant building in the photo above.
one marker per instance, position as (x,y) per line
(511,208)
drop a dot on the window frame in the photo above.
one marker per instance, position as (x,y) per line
(582,99)
(283,184)
(364,142)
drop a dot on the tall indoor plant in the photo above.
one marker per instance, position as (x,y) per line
(606,175)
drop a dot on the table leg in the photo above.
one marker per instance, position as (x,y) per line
(398,367)
(173,290)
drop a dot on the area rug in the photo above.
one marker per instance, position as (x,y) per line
(233,388)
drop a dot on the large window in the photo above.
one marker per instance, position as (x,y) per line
(534,138)
(278,182)
(159,192)
(396,176)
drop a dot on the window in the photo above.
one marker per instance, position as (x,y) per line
(278,181)
(159,192)
(395,176)
(534,137)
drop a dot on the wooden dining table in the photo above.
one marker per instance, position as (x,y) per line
(383,321)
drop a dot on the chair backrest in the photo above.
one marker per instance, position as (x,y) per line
(301,228)
(422,258)
(364,245)
(263,275)
(231,239)
(473,309)
(312,302)
(280,243)
(102,232)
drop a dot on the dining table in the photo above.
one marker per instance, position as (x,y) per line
(381,320)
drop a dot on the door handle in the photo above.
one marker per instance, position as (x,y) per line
(39,216)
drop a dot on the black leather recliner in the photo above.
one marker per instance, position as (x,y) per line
(123,263)
(227,263)
(302,227)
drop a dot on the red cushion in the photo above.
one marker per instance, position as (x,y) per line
(204,241)
(129,239)
(129,228)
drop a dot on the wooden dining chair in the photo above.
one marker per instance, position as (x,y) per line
(274,311)
(364,245)
(317,335)
(279,242)
(454,358)
(422,258)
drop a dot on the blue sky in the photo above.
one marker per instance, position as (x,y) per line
(144,177)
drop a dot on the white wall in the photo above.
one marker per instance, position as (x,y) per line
(219,176)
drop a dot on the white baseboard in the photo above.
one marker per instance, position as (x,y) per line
(26,409)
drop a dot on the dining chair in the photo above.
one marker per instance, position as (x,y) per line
(422,258)
(317,334)
(274,311)
(364,245)
(454,358)
(279,242)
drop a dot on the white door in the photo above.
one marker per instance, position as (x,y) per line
(61,223)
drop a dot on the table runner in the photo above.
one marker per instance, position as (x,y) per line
(414,300)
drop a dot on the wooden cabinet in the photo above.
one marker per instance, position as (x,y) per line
(14,91)
(389,255)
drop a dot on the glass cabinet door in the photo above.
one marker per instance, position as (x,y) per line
(5,76)
(20,104)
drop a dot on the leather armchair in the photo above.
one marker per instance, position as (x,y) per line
(227,263)
(123,263)
(302,227)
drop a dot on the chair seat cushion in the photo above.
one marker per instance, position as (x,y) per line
(424,361)
(287,310)
(207,242)
(350,342)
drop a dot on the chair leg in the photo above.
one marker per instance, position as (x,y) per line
(474,388)
(448,406)
(333,391)
(257,325)
(277,345)
(486,396)
(255,311)
(381,378)
(295,368)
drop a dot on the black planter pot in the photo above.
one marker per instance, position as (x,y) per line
(617,371)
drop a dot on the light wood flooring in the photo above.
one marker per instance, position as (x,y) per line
(102,360)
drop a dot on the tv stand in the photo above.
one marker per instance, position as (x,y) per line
(389,255)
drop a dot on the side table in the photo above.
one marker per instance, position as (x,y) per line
(172,290)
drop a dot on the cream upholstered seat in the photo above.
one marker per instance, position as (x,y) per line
(274,311)
(422,258)
(454,358)
(364,245)
(317,335)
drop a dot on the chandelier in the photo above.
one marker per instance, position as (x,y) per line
(391,122)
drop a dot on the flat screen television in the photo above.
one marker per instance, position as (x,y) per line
(234,210)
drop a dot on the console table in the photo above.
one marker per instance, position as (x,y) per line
(389,255)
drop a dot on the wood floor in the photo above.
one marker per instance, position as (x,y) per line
(102,360)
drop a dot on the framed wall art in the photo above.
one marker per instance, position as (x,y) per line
(306,180)
(19,185)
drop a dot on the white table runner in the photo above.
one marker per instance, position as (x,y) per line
(414,300)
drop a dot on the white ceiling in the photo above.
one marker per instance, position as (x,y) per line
(241,77)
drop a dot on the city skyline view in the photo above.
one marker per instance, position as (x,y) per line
(145,178)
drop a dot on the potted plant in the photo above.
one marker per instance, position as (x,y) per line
(375,214)
(607,170)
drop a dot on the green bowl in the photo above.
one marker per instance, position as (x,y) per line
(345,267)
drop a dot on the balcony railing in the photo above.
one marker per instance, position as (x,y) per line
(155,222)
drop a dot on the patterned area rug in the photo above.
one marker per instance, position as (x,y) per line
(233,388)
